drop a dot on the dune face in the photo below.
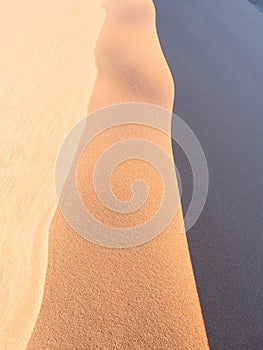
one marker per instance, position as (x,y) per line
(215,53)
(138,298)
(130,64)
(47,74)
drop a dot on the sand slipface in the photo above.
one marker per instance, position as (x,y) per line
(142,297)
(215,55)
(47,74)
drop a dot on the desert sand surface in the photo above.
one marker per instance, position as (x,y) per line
(215,53)
(142,297)
(47,74)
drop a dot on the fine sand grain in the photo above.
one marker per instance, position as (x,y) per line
(47,74)
(214,50)
(138,298)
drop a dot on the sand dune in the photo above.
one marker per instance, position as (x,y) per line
(131,66)
(139,298)
(215,54)
(47,73)
(94,297)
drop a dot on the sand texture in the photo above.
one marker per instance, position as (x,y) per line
(215,54)
(138,298)
(47,74)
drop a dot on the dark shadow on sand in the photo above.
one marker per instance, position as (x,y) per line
(215,52)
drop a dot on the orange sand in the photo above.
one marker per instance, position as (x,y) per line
(94,297)
(138,298)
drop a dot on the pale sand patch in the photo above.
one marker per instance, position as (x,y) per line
(47,73)
(139,298)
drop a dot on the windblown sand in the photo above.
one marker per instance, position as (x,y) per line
(47,74)
(94,297)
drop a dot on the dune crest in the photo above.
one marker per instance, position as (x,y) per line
(137,298)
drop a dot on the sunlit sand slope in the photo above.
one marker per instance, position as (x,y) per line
(142,297)
(47,73)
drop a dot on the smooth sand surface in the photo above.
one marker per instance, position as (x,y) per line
(138,298)
(215,53)
(47,74)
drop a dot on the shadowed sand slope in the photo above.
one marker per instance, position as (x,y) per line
(137,298)
(214,49)
(130,63)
